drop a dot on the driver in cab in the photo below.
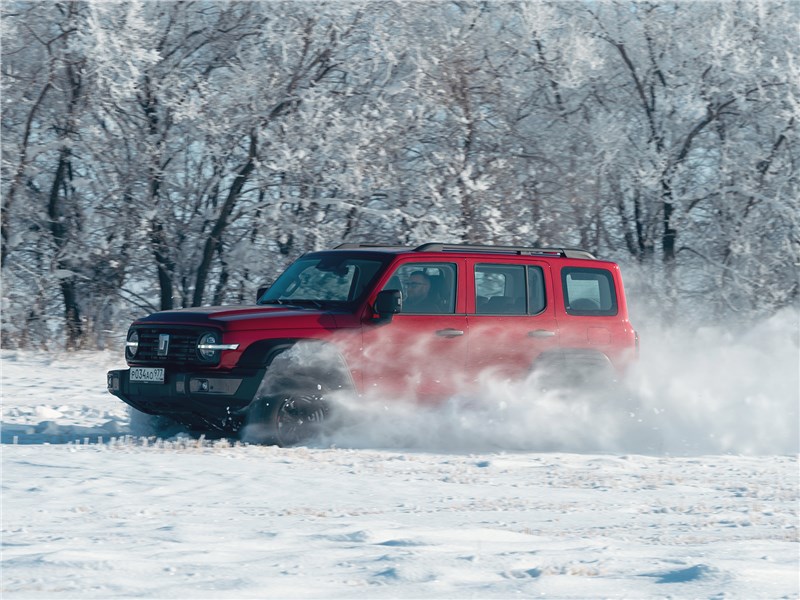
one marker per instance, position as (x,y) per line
(418,295)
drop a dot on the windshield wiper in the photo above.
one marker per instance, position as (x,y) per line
(301,301)
(294,302)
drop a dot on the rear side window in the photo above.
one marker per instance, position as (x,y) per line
(589,292)
(536,298)
(502,289)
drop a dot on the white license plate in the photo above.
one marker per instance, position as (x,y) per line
(147,375)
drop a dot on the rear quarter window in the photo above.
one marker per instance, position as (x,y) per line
(589,292)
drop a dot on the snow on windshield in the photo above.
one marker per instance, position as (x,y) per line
(324,279)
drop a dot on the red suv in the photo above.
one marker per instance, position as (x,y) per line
(421,323)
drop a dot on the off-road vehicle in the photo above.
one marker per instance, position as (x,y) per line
(350,320)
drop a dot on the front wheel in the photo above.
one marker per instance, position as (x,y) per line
(285,419)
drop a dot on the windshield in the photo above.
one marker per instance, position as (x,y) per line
(322,280)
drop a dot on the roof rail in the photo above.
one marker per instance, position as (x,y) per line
(355,245)
(565,252)
(478,248)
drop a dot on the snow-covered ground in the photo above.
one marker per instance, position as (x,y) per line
(691,490)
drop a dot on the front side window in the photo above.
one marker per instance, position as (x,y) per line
(428,288)
(317,281)
(589,292)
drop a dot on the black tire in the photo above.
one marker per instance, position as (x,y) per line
(583,371)
(285,419)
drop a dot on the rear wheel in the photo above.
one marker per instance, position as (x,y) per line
(285,419)
(575,370)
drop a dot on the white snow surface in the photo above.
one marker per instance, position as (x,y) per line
(690,491)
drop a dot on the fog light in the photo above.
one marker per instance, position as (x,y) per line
(113,382)
(220,386)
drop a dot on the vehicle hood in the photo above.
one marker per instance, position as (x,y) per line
(233,318)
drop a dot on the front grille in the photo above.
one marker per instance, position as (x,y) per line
(181,346)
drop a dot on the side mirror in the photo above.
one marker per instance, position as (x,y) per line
(387,304)
(262,289)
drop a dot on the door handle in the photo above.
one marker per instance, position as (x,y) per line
(541,333)
(449,333)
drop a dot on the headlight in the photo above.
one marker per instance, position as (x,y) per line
(132,345)
(209,347)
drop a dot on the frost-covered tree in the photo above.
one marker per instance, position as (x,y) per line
(704,102)
(52,221)
(167,154)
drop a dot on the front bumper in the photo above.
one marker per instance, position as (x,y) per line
(201,401)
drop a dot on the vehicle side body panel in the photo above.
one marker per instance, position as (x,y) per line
(504,345)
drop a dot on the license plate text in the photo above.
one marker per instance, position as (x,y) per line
(147,375)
